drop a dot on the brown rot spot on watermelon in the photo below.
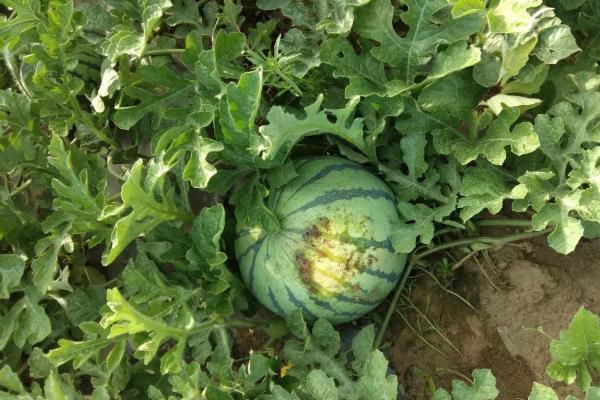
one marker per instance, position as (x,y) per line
(305,270)
(311,233)
(325,223)
(353,262)
(371,259)
(330,256)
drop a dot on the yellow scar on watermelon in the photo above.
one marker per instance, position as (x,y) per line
(329,259)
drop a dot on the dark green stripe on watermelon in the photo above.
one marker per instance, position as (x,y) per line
(328,307)
(299,163)
(275,303)
(242,233)
(296,302)
(255,247)
(376,244)
(332,196)
(253,264)
(323,173)
(360,242)
(362,302)
(389,277)
(252,247)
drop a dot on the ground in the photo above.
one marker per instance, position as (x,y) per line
(522,296)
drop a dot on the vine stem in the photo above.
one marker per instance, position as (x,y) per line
(392,306)
(503,222)
(12,69)
(22,187)
(162,52)
(489,241)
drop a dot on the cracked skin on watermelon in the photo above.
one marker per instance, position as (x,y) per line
(333,257)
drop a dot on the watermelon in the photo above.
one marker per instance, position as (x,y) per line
(333,257)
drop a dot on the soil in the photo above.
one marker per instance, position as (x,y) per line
(517,291)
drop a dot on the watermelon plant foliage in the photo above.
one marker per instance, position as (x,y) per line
(136,134)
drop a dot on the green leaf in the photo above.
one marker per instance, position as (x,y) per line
(296,324)
(45,264)
(320,386)
(10,380)
(593,393)
(412,183)
(168,89)
(376,112)
(317,351)
(208,82)
(84,303)
(100,393)
(375,383)
(499,134)
(124,318)
(206,230)
(109,84)
(258,368)
(455,58)
(578,347)
(483,388)
(56,389)
(568,230)
(280,393)
(512,16)
(80,190)
(362,343)
(502,101)
(183,12)
(488,72)
(78,352)
(16,145)
(420,220)
(126,40)
(11,271)
(451,95)
(555,43)
(515,57)
(465,7)
(409,53)
(573,195)
(441,394)
(172,361)
(285,130)
(326,336)
(339,15)
(38,363)
(28,16)
(366,74)
(187,143)
(228,47)
(251,210)
(238,109)
(484,187)
(25,321)
(529,80)
(541,392)
(302,48)
(148,201)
